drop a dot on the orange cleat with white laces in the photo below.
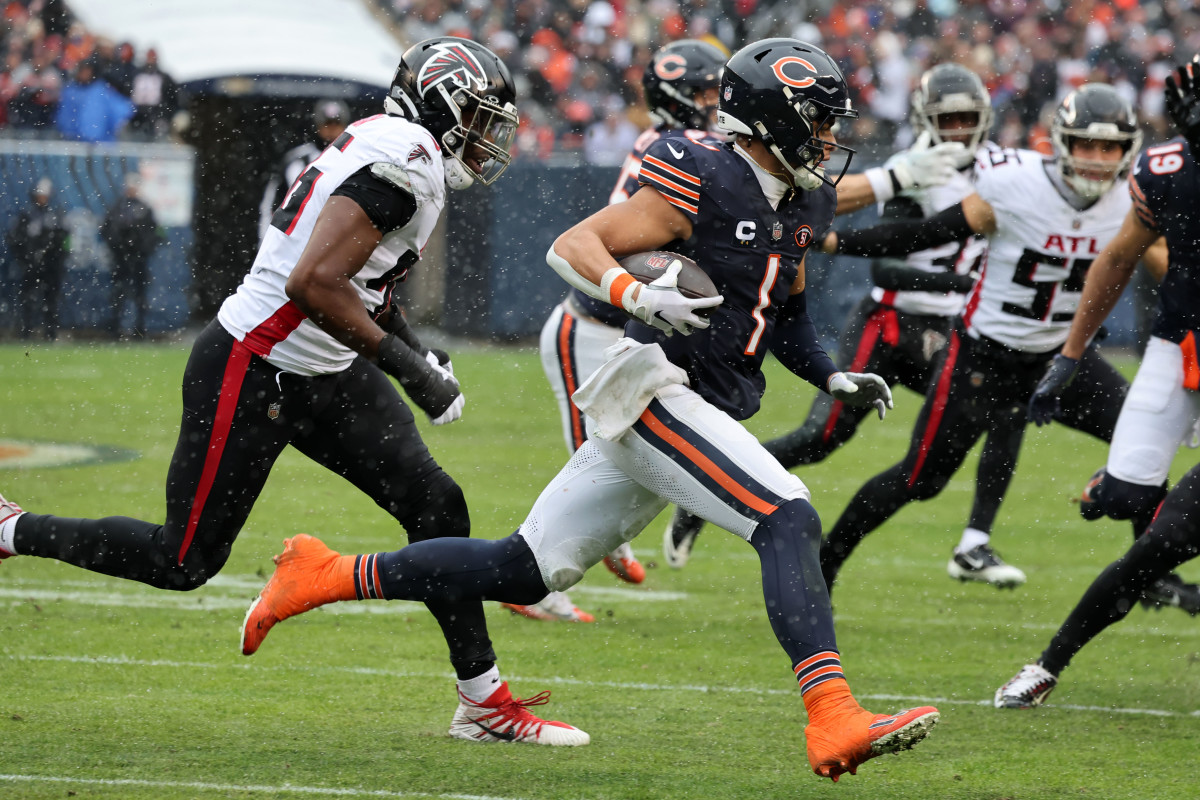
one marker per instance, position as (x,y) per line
(845,740)
(624,564)
(504,718)
(307,575)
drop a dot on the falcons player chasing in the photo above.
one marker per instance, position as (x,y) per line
(1163,404)
(1046,221)
(664,412)
(301,356)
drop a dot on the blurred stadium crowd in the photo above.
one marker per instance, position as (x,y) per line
(59,80)
(579,63)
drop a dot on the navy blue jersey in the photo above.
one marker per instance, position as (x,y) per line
(627,184)
(1165,186)
(752,253)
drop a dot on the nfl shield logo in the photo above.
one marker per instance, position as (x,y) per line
(728,92)
(777,231)
(273,411)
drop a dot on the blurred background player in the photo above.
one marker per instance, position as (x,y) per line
(665,410)
(898,330)
(330,118)
(37,240)
(302,353)
(131,233)
(1043,219)
(1162,408)
(680,83)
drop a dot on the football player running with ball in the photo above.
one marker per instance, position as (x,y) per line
(664,413)
(680,84)
(1162,407)
(901,327)
(302,353)
(1046,221)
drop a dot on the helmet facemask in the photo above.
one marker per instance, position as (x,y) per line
(951,89)
(802,156)
(486,137)
(1075,171)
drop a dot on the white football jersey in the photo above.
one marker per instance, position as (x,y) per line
(260,314)
(959,257)
(1039,253)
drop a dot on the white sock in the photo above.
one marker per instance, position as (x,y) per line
(482,687)
(972,538)
(8,530)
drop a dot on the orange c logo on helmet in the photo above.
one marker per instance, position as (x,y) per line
(670,66)
(799,83)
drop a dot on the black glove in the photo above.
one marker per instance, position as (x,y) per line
(1183,101)
(431,387)
(1044,403)
(392,320)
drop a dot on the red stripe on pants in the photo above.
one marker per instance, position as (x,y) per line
(231,388)
(940,398)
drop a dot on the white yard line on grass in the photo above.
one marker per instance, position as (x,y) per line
(201,786)
(620,685)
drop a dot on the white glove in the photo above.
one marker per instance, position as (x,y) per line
(447,372)
(661,305)
(922,166)
(861,389)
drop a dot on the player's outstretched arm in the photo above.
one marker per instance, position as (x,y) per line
(919,167)
(954,224)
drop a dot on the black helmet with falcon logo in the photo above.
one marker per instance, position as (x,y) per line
(784,92)
(463,94)
(673,78)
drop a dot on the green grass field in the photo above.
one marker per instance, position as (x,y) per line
(110,689)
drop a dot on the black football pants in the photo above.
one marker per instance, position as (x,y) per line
(239,413)
(980,387)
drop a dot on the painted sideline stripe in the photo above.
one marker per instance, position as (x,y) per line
(230,787)
(649,687)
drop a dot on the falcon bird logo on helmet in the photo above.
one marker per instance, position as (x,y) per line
(463,94)
(1097,112)
(787,94)
(451,61)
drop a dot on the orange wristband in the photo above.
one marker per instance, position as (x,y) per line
(617,286)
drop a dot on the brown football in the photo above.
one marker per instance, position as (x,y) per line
(693,281)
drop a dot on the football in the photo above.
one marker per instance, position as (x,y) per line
(693,282)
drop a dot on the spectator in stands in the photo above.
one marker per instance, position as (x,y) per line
(38,92)
(131,233)
(91,110)
(155,97)
(37,242)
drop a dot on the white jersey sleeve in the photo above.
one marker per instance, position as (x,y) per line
(958,257)
(1039,253)
(260,314)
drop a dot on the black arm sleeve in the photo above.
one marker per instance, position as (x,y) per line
(896,276)
(797,347)
(388,206)
(899,238)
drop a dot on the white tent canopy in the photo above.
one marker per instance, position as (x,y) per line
(200,40)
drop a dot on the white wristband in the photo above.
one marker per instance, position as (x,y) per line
(881,183)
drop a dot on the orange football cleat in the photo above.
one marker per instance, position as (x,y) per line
(624,564)
(307,574)
(843,742)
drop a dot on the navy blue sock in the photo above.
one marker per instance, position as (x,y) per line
(453,568)
(797,600)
